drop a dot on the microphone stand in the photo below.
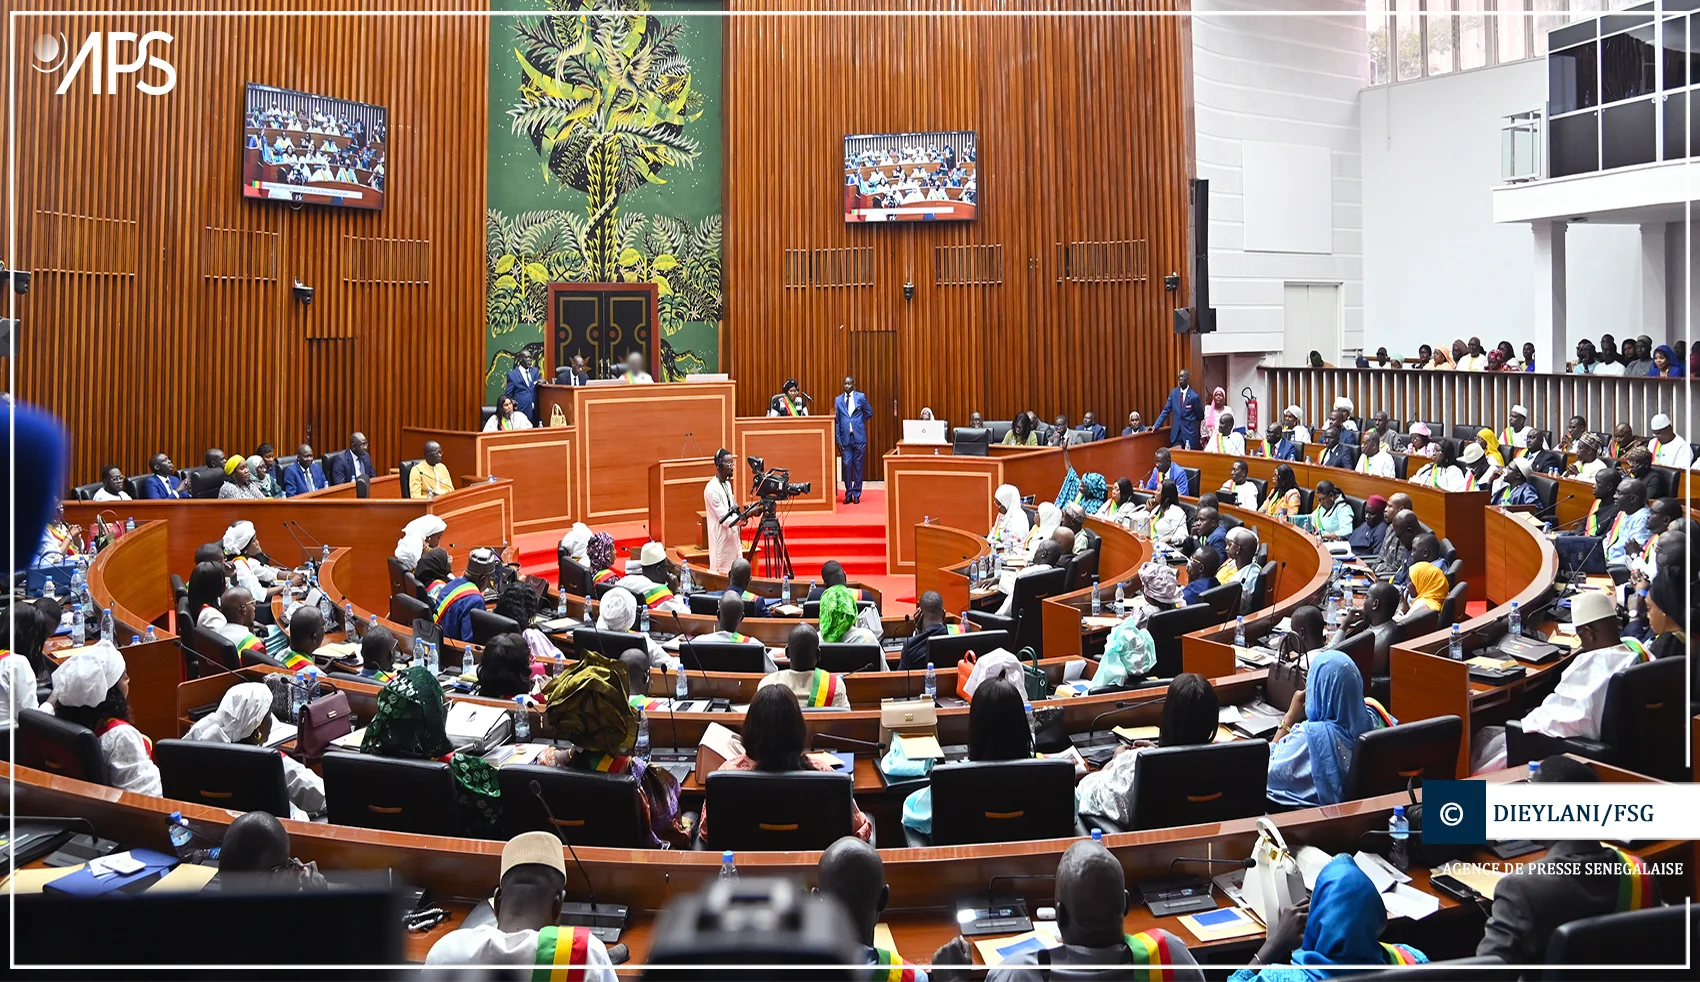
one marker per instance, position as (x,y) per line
(605,924)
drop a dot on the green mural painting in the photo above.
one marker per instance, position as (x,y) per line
(605,164)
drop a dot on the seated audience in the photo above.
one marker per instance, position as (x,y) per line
(266,472)
(1517,489)
(505,670)
(1334,452)
(419,535)
(1279,444)
(1515,436)
(1314,745)
(206,585)
(162,481)
(1422,442)
(1225,440)
(653,583)
(1168,521)
(239,481)
(1292,423)
(527,929)
(729,618)
(454,598)
(815,688)
(92,689)
(112,485)
(1623,440)
(1332,518)
(244,715)
(354,463)
(1010,528)
(1283,499)
(1427,584)
(1638,464)
(931,620)
(1166,469)
(831,574)
(1135,424)
(1207,530)
(1542,460)
(851,872)
(507,417)
(1588,463)
(1664,363)
(1575,429)
(1050,519)
(1378,616)
(1190,714)
(1122,507)
(1668,448)
(843,621)
(409,724)
(1239,486)
(1613,544)
(377,655)
(1341,927)
(617,611)
(1240,564)
(304,475)
(1444,472)
(1021,433)
(997,730)
(430,477)
(1668,615)
(1200,574)
(254,853)
(1375,460)
(1381,424)
(774,737)
(1366,540)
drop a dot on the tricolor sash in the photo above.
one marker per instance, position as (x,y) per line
(1634,890)
(295,661)
(114,723)
(378,675)
(735,638)
(453,597)
(890,968)
(657,595)
(1592,525)
(823,688)
(1649,549)
(606,763)
(250,643)
(1616,528)
(790,407)
(1398,954)
(561,959)
(1642,655)
(1379,714)
(602,576)
(1153,950)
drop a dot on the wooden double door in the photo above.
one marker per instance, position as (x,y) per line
(604,323)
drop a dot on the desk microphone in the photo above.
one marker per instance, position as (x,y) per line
(1121,706)
(850,742)
(1560,501)
(604,924)
(805,395)
(1246,863)
(537,792)
(685,648)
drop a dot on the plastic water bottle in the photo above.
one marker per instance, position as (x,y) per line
(1097,835)
(51,591)
(1097,602)
(325,554)
(681,685)
(326,611)
(419,652)
(431,660)
(492,479)
(79,626)
(728,871)
(129,525)
(178,830)
(152,637)
(1516,620)
(1534,770)
(1121,596)
(685,579)
(1239,632)
(108,625)
(135,639)
(1333,610)
(963,623)
(372,625)
(1399,829)
(642,749)
(1032,721)
(785,588)
(1455,645)
(522,721)
(298,694)
(643,619)
(561,605)
(349,623)
(930,687)
(1346,602)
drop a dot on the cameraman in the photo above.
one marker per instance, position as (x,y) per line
(720,506)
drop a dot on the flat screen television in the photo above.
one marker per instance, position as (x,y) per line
(313,149)
(911,177)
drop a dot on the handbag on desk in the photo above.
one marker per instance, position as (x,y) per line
(1286,677)
(1273,884)
(322,720)
(1033,679)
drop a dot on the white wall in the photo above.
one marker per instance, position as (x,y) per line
(1275,83)
(1436,266)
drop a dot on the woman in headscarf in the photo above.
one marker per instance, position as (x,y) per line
(1442,356)
(239,480)
(617,611)
(838,618)
(1213,408)
(774,738)
(1314,744)
(789,402)
(1283,499)
(1122,508)
(1050,519)
(1665,363)
(409,725)
(1443,472)
(265,475)
(1422,443)
(592,710)
(1190,714)
(1094,491)
(576,542)
(1010,528)
(92,689)
(1292,420)
(1489,442)
(1129,652)
(1428,587)
(418,536)
(1168,521)
(1342,927)
(599,552)
(507,417)
(244,715)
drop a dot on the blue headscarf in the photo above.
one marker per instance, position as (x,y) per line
(1670,359)
(1070,488)
(1334,716)
(1346,918)
(1094,491)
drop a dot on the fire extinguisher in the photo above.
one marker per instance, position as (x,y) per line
(1250,409)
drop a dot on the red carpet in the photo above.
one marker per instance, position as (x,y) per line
(852,534)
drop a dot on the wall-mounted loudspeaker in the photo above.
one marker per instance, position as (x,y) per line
(1202,318)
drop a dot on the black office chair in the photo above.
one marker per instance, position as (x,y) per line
(706,604)
(1641,727)
(846,658)
(1224,601)
(204,482)
(945,650)
(484,414)
(792,810)
(398,574)
(405,609)
(1307,501)
(1452,608)
(85,492)
(1454,570)
(723,656)
(610,644)
(370,792)
(1215,782)
(1067,564)
(970,441)
(1401,467)
(1387,759)
(1360,648)
(407,467)
(1026,622)
(1357,506)
(1546,495)
(134,485)
(213,647)
(237,776)
(1465,433)
(1653,936)
(1085,567)
(1263,593)
(591,808)
(996,430)
(1192,480)
(48,743)
(1002,801)
(416,589)
(1261,485)
(1094,541)
(572,576)
(328,459)
(487,624)
(1448,552)
(1166,628)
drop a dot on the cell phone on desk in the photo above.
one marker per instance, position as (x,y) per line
(1453,887)
(1513,848)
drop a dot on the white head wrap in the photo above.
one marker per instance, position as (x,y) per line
(237,537)
(17,681)
(1008,496)
(1520,411)
(1298,414)
(1050,516)
(411,545)
(1660,421)
(87,675)
(241,711)
(577,540)
(255,463)
(618,611)
(1343,403)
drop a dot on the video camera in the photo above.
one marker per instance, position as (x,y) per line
(773,485)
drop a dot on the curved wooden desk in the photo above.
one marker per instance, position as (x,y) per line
(942,555)
(1522,566)
(133,578)
(1120,556)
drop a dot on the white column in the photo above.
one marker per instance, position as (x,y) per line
(1653,296)
(1549,293)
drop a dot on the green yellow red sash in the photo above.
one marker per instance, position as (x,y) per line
(1154,950)
(607,763)
(1398,954)
(250,643)
(295,661)
(890,968)
(558,959)
(823,688)
(790,407)
(602,576)
(1634,890)
(454,596)
(657,595)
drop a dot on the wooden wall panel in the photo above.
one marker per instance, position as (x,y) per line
(160,317)
(1084,137)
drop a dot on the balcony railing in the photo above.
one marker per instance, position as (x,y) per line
(1522,137)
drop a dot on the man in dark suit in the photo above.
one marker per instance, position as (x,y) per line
(1335,453)
(1528,907)
(850,415)
(521,387)
(163,483)
(573,374)
(1090,424)
(305,475)
(1187,409)
(354,464)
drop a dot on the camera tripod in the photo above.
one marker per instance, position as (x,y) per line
(769,549)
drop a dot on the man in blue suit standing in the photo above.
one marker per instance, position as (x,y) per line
(1187,408)
(521,387)
(163,483)
(850,415)
(305,475)
(354,464)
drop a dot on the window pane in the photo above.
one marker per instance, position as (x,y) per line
(1472,35)
(1410,40)
(1571,77)
(1583,9)
(1677,56)
(1626,64)
(1380,50)
(1511,29)
(1548,15)
(1439,37)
